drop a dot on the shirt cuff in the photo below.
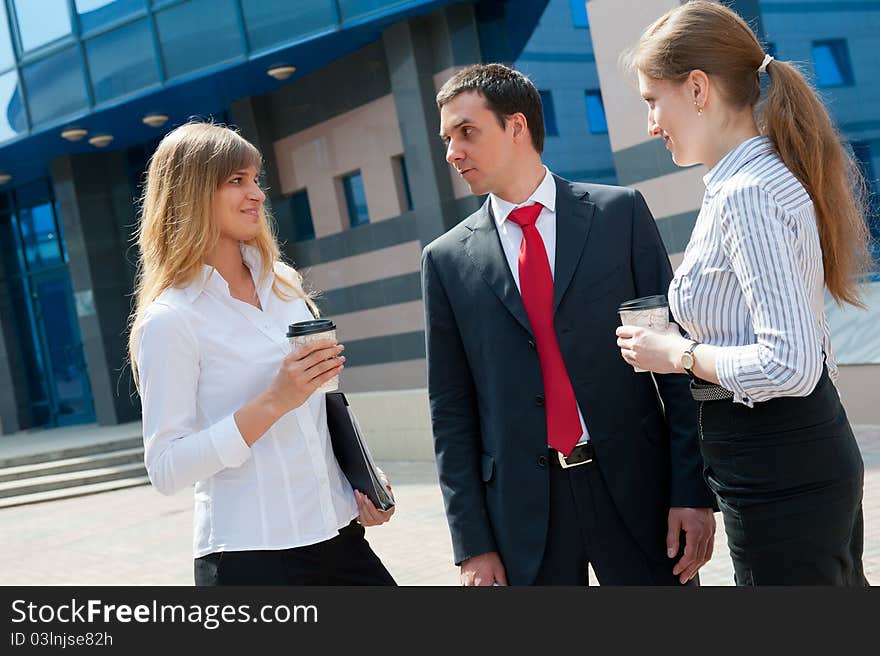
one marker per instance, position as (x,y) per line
(732,362)
(230,446)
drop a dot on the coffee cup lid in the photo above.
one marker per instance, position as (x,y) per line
(301,328)
(644,303)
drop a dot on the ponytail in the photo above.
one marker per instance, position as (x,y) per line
(798,125)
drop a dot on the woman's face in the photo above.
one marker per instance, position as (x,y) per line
(672,115)
(237,203)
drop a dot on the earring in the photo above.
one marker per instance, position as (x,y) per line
(699,109)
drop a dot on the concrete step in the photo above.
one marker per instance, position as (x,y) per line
(70,479)
(67,465)
(64,453)
(70,492)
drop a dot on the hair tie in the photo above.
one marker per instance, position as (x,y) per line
(763,67)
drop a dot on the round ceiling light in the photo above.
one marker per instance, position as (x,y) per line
(281,72)
(101,140)
(155,120)
(74,134)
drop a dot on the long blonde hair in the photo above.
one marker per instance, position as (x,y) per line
(710,37)
(176,229)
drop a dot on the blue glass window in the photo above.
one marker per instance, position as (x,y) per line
(114,76)
(550,127)
(7,57)
(350,9)
(42,247)
(271,23)
(596,112)
(864,158)
(579,16)
(41,22)
(98,13)
(303,226)
(190,41)
(833,67)
(55,86)
(13,120)
(355,199)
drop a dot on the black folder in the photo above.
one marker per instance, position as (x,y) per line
(351,452)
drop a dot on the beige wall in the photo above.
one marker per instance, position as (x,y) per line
(373,265)
(365,139)
(375,322)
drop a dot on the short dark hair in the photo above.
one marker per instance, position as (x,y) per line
(505,91)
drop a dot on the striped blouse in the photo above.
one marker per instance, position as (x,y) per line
(751,280)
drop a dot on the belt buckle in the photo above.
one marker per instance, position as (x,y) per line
(564,463)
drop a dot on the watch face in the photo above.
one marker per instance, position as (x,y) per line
(687,360)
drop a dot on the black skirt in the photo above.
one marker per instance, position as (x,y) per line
(788,476)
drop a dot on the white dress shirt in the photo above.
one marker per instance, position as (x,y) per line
(202,355)
(511,238)
(752,281)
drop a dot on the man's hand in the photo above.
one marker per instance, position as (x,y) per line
(484,569)
(699,527)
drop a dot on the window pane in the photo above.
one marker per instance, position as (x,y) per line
(7,57)
(355,199)
(12,115)
(350,9)
(190,41)
(596,113)
(550,128)
(41,22)
(97,13)
(42,247)
(55,86)
(833,68)
(303,226)
(270,23)
(114,76)
(579,13)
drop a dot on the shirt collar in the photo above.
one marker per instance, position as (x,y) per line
(249,254)
(733,161)
(545,193)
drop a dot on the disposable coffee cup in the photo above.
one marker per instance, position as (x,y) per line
(647,312)
(316,330)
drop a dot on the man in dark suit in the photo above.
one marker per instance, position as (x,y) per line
(521,309)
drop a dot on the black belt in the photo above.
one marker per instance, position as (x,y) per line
(582,454)
(703,391)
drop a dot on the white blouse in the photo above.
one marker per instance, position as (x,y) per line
(202,355)
(752,281)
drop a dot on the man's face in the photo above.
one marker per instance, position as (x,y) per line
(476,144)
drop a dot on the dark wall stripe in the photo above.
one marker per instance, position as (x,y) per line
(556,57)
(354,241)
(384,349)
(676,230)
(838,6)
(369,295)
(644,161)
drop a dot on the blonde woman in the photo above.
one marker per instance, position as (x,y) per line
(780,222)
(226,406)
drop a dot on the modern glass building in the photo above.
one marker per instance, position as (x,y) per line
(339,97)
(337,94)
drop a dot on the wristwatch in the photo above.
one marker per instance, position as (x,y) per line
(686,360)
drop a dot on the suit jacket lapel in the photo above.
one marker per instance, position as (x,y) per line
(483,246)
(574,217)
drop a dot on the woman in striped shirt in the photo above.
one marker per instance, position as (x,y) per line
(781,221)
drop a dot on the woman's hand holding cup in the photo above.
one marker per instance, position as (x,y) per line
(304,371)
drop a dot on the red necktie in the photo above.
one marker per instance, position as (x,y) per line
(536,288)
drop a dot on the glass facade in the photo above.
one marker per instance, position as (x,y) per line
(12,115)
(596,112)
(7,54)
(267,27)
(303,226)
(55,86)
(42,22)
(550,127)
(96,14)
(831,60)
(190,43)
(114,77)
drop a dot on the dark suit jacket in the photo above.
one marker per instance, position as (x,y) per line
(486,390)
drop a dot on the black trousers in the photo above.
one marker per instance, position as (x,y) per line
(585,528)
(346,559)
(788,477)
